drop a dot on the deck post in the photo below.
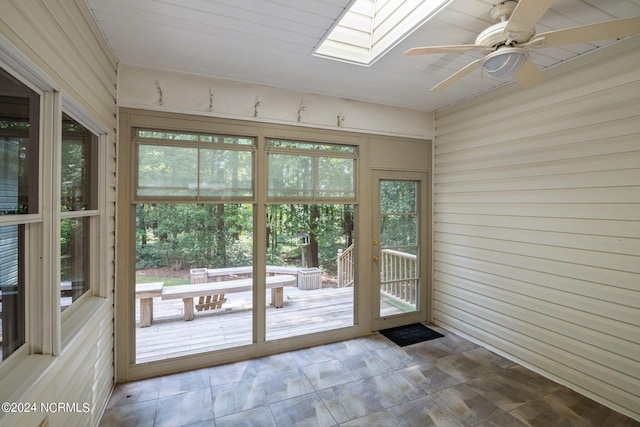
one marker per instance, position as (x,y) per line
(339,264)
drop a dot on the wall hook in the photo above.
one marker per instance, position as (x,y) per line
(159,94)
(340,120)
(255,109)
(210,100)
(300,110)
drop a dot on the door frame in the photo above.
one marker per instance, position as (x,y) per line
(424,231)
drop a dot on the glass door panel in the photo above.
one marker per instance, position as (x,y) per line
(397,250)
(194,279)
(313,245)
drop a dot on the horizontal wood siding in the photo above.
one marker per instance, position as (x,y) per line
(61,38)
(81,377)
(537,225)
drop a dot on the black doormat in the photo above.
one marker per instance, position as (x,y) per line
(410,334)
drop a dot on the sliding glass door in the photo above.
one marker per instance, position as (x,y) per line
(205,280)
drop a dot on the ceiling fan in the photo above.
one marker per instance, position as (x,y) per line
(506,43)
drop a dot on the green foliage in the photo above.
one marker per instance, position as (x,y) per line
(330,227)
(168,281)
(398,206)
(193,235)
(14,125)
(220,235)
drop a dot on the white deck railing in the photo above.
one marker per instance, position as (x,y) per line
(399,276)
(345,267)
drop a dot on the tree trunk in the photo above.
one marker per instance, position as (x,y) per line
(312,248)
(221,241)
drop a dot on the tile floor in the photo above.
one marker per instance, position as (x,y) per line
(368,381)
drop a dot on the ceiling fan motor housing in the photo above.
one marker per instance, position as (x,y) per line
(494,36)
(502,11)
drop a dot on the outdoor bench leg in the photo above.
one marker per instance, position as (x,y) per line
(277,297)
(146,312)
(188,308)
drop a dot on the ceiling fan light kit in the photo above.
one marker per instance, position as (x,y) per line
(506,44)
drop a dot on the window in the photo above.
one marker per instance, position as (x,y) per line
(311,194)
(311,171)
(192,166)
(79,208)
(19,124)
(370,28)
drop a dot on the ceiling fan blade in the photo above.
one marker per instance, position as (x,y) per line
(529,75)
(441,49)
(526,15)
(586,33)
(457,76)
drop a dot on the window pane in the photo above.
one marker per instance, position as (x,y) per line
(167,171)
(314,243)
(290,176)
(193,137)
(311,146)
(226,173)
(321,175)
(19,120)
(11,290)
(74,265)
(398,196)
(399,230)
(78,169)
(335,177)
(182,246)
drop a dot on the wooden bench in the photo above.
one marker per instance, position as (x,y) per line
(145,292)
(201,275)
(219,289)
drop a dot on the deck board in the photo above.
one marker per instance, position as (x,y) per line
(304,312)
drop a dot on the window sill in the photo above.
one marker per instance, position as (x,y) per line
(21,380)
(80,318)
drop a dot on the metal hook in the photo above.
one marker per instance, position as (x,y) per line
(159,94)
(210,100)
(340,120)
(255,109)
(300,110)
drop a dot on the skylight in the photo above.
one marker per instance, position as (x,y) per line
(370,28)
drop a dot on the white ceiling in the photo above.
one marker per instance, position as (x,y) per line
(270,42)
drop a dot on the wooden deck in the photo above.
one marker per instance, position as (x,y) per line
(304,312)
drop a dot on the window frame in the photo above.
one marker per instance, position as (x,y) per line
(137,142)
(94,216)
(313,153)
(130,118)
(96,273)
(35,338)
(47,331)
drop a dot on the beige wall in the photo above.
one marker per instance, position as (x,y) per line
(61,41)
(537,224)
(159,90)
